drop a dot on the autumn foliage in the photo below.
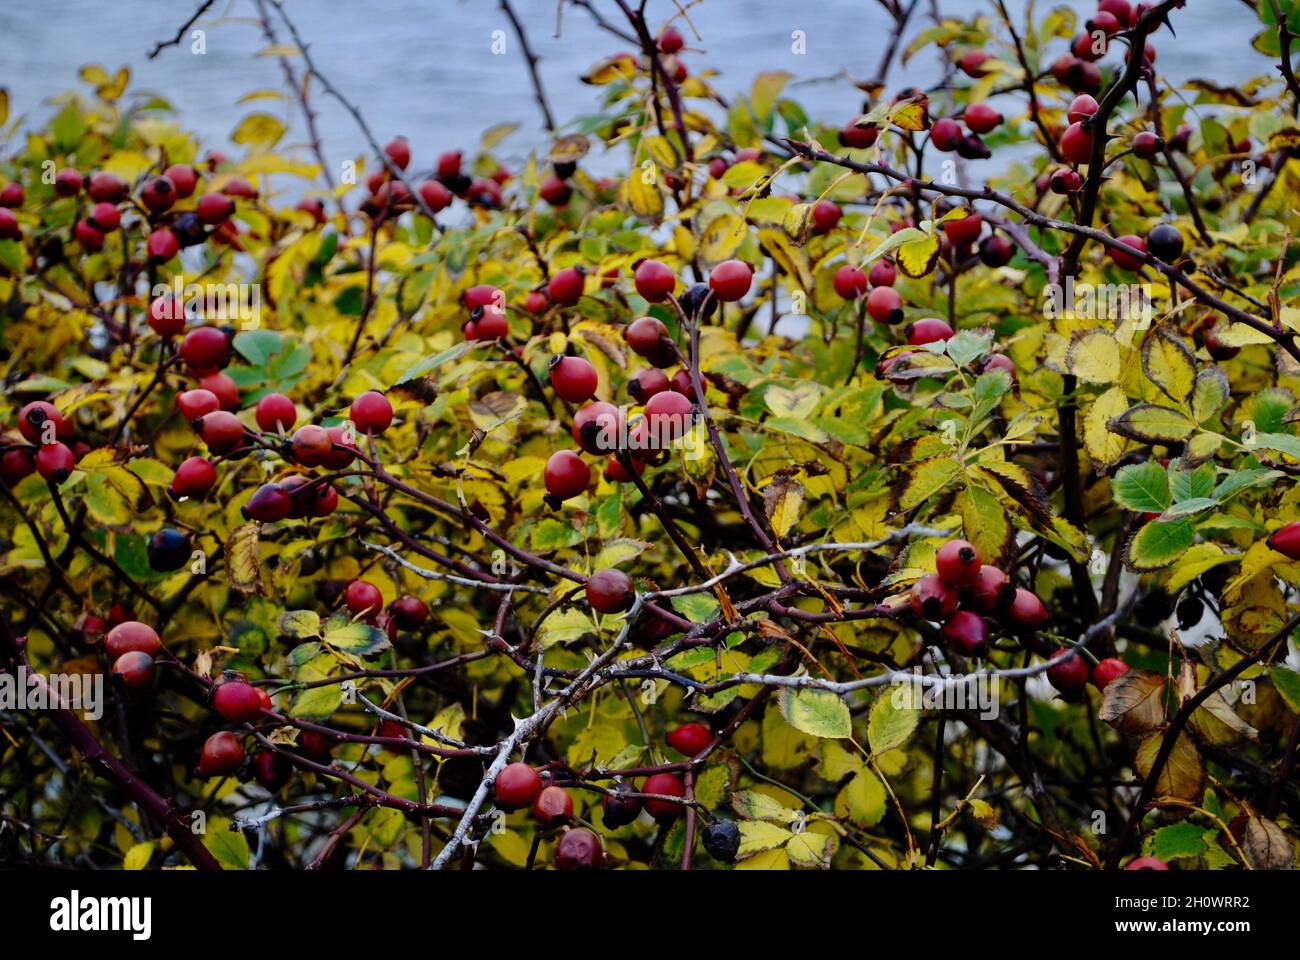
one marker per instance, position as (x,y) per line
(433,511)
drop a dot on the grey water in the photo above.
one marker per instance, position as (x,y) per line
(441,71)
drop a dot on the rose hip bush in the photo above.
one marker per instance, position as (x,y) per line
(445,513)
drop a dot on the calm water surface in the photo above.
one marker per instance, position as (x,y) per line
(427,70)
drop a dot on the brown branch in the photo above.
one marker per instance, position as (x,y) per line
(93,752)
(180,33)
(531,59)
(1034,112)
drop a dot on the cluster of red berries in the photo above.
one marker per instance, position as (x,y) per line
(311,445)
(390,197)
(364,600)
(1078,68)
(519,786)
(669,402)
(964,591)
(169,230)
(132,647)
(51,433)
(947,135)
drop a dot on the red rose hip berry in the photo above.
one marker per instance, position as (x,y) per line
(958,562)
(609,590)
(236,701)
(361,596)
(517,786)
(730,280)
(850,282)
(690,738)
(654,281)
(136,669)
(668,785)
(1107,670)
(193,478)
(371,412)
(573,378)
(222,754)
(933,599)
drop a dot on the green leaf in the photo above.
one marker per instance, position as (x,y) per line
(1186,508)
(1191,484)
(1281,442)
(1142,487)
(697,607)
(1240,480)
(966,346)
(359,639)
(990,388)
(817,712)
(1159,543)
(1179,840)
(565,626)
(1210,394)
(317,703)
(925,479)
(892,719)
(429,364)
(1287,683)
(300,623)
(229,847)
(1268,409)
(257,346)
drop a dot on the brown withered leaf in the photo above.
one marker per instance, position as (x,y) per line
(1214,721)
(782,501)
(244,560)
(1266,845)
(1134,702)
(1183,775)
(771,630)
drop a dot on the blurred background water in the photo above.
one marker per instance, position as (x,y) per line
(426,68)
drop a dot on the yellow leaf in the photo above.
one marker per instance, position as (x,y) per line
(244,559)
(1168,361)
(259,130)
(910,115)
(721,237)
(925,479)
(1094,356)
(796,402)
(1104,447)
(137,858)
(917,258)
(809,849)
(792,260)
(759,835)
